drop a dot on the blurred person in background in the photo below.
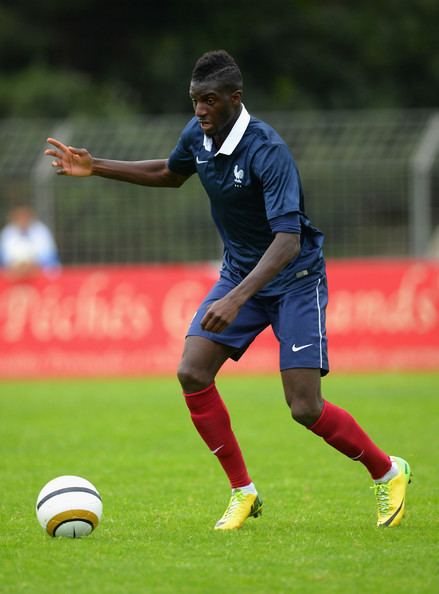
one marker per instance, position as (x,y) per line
(27,246)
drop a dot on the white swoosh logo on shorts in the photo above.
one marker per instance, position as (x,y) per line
(299,348)
(199,162)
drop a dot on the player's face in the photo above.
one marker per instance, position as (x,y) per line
(215,108)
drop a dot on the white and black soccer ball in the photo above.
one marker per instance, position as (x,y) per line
(69,506)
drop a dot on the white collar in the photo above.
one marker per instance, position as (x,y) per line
(234,136)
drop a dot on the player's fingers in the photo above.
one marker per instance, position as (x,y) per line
(59,145)
(58,165)
(53,153)
(206,321)
(78,151)
(212,323)
(213,328)
(218,328)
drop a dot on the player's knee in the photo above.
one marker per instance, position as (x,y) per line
(192,378)
(305,409)
(305,415)
(303,395)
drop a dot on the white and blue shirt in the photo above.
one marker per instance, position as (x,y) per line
(34,245)
(255,191)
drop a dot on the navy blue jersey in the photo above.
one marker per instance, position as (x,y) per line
(255,191)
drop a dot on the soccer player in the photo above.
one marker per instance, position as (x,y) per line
(273,274)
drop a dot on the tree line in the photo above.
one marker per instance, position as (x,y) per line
(108,59)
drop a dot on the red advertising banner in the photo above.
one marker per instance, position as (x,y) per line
(383,315)
(131,320)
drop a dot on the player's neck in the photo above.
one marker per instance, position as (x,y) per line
(219,138)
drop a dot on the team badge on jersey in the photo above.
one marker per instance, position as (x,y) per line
(239,175)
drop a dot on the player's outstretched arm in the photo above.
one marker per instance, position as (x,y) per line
(69,160)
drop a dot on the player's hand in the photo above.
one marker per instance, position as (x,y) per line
(220,314)
(69,160)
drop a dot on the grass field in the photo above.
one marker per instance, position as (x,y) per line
(163,491)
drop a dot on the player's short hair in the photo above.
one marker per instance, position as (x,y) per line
(218,66)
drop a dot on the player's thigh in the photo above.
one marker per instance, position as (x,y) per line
(201,360)
(302,388)
(299,323)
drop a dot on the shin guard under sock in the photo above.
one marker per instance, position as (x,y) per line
(342,432)
(212,421)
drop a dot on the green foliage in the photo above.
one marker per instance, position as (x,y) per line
(39,90)
(306,54)
(163,491)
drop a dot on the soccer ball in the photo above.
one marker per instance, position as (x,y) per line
(69,506)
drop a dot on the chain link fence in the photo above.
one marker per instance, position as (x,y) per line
(371,182)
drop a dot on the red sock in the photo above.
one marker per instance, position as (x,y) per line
(211,418)
(342,432)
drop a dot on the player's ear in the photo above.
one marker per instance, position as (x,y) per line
(236,97)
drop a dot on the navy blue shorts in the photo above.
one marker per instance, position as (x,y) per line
(298,319)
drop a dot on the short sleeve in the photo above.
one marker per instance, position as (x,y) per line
(181,160)
(276,170)
(287,223)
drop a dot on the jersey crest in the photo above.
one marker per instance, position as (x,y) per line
(239,176)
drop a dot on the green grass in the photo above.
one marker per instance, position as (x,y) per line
(163,491)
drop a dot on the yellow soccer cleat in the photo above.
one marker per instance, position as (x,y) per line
(390,496)
(241,506)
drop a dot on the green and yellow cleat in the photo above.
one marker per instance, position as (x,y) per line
(390,496)
(241,506)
